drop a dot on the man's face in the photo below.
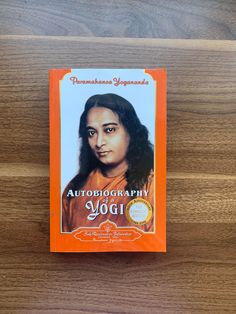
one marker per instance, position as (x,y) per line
(107,137)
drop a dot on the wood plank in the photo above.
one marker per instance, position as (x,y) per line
(199,199)
(23,170)
(197,275)
(201,94)
(209,19)
(189,199)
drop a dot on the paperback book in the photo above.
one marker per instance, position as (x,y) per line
(107,160)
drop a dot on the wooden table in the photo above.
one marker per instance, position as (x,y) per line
(197,274)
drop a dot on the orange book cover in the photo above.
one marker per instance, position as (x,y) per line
(107,160)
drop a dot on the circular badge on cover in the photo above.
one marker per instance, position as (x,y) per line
(138,211)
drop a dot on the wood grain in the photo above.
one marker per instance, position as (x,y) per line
(191,278)
(208,19)
(189,199)
(197,275)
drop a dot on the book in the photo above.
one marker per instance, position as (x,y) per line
(107,160)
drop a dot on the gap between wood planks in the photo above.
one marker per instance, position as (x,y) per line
(40,170)
(190,44)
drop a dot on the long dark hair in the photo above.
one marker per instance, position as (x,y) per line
(140,150)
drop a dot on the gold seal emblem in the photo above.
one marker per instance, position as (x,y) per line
(138,211)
